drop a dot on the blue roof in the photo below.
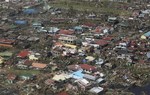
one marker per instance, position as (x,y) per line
(78,74)
(147,34)
(84,60)
(20,22)
(30,11)
(148,54)
(78,28)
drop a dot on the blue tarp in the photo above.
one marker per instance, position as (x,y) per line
(30,11)
(78,74)
(84,60)
(20,22)
(78,28)
(147,34)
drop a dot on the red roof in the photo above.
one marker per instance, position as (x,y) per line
(7,41)
(66,32)
(63,93)
(58,44)
(6,45)
(58,19)
(56,36)
(87,67)
(101,42)
(11,76)
(132,48)
(108,38)
(133,43)
(27,62)
(98,29)
(141,61)
(89,24)
(23,54)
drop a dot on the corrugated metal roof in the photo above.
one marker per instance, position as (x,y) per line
(30,11)
(147,34)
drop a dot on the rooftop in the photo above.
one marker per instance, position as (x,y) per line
(23,53)
(87,67)
(96,90)
(39,65)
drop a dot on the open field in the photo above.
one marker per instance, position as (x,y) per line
(105,7)
(23,72)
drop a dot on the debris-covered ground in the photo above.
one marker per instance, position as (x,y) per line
(74,47)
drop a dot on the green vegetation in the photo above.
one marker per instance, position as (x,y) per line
(24,72)
(104,7)
(7,53)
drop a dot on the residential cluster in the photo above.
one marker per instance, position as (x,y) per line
(46,50)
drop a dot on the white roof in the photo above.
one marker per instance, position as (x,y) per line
(90,58)
(112,18)
(6,0)
(83,81)
(53,29)
(146,11)
(99,80)
(124,44)
(61,77)
(87,76)
(148,54)
(102,75)
(32,57)
(96,89)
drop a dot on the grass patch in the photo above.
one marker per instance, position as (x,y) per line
(105,7)
(24,72)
